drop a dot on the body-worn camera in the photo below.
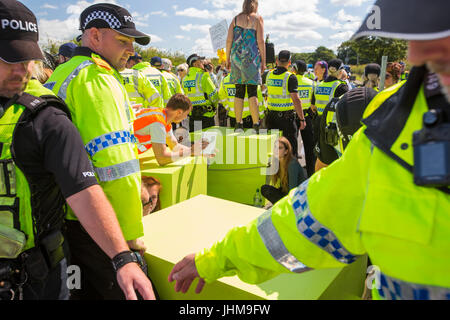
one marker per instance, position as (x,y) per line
(432,151)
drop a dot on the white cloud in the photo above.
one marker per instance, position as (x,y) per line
(348,3)
(181,37)
(344,35)
(49,6)
(204,47)
(158,13)
(205,14)
(155,38)
(198,27)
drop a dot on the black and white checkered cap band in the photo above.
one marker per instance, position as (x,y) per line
(113,22)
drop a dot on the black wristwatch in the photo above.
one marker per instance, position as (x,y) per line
(124,258)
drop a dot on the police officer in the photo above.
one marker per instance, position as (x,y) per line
(43,164)
(387,197)
(306,92)
(141,91)
(65,52)
(283,101)
(202,92)
(172,80)
(155,76)
(91,86)
(227,94)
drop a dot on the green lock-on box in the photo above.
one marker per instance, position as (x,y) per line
(241,164)
(198,223)
(180,180)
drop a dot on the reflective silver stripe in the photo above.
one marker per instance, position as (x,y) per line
(134,94)
(198,82)
(285,80)
(276,96)
(154,97)
(136,84)
(314,231)
(394,289)
(322,102)
(275,246)
(62,93)
(118,171)
(146,114)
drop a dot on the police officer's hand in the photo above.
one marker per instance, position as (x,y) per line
(130,278)
(184,272)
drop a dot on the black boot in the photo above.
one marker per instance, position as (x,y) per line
(239,127)
(256,127)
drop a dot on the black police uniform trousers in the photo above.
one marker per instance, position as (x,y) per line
(285,121)
(308,142)
(98,277)
(207,122)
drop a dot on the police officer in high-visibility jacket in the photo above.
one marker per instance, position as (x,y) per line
(44,166)
(141,91)
(306,93)
(155,76)
(329,88)
(227,93)
(202,92)
(92,87)
(283,101)
(172,80)
(388,196)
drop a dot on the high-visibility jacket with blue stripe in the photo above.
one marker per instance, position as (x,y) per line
(141,91)
(102,113)
(201,90)
(173,82)
(278,96)
(305,90)
(157,79)
(376,210)
(324,92)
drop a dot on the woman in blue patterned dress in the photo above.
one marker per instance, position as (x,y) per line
(246,55)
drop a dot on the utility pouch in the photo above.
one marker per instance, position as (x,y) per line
(52,248)
(35,265)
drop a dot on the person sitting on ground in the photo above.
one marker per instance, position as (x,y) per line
(289,173)
(153,129)
(371,76)
(150,189)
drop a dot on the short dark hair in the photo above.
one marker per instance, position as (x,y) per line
(179,101)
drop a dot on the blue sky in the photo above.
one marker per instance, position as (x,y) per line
(296,25)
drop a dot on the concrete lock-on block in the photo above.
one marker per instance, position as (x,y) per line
(198,223)
(180,180)
(241,164)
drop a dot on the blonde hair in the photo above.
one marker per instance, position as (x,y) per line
(371,80)
(40,73)
(332,71)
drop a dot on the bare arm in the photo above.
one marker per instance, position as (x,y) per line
(99,219)
(261,43)
(165,156)
(298,108)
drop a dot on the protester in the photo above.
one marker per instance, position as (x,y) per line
(371,76)
(289,173)
(150,189)
(246,56)
(321,71)
(182,71)
(393,73)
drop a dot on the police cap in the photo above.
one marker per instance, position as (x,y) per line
(19,34)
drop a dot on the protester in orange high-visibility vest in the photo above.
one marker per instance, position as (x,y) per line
(153,129)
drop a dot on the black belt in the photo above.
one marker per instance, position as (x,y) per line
(284,114)
(199,111)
